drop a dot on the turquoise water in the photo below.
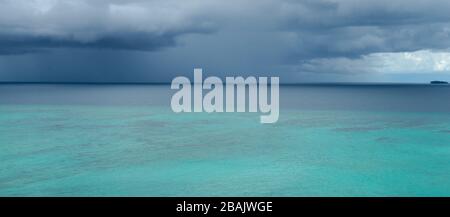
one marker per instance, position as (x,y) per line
(108,149)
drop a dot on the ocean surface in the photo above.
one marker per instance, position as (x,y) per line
(124,140)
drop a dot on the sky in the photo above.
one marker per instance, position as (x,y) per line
(157,40)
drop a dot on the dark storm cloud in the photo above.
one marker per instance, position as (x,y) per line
(28,26)
(352,28)
(20,44)
(319,28)
(334,36)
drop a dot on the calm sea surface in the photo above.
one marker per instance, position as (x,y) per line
(124,140)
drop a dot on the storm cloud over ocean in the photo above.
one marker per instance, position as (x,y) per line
(153,41)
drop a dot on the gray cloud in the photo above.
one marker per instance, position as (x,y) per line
(27,26)
(327,36)
(320,28)
(351,28)
(334,36)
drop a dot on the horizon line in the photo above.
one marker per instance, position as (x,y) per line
(168,83)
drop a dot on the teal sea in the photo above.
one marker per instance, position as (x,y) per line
(124,140)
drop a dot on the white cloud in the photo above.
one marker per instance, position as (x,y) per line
(423,61)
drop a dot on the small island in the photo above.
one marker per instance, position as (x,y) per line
(438,82)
